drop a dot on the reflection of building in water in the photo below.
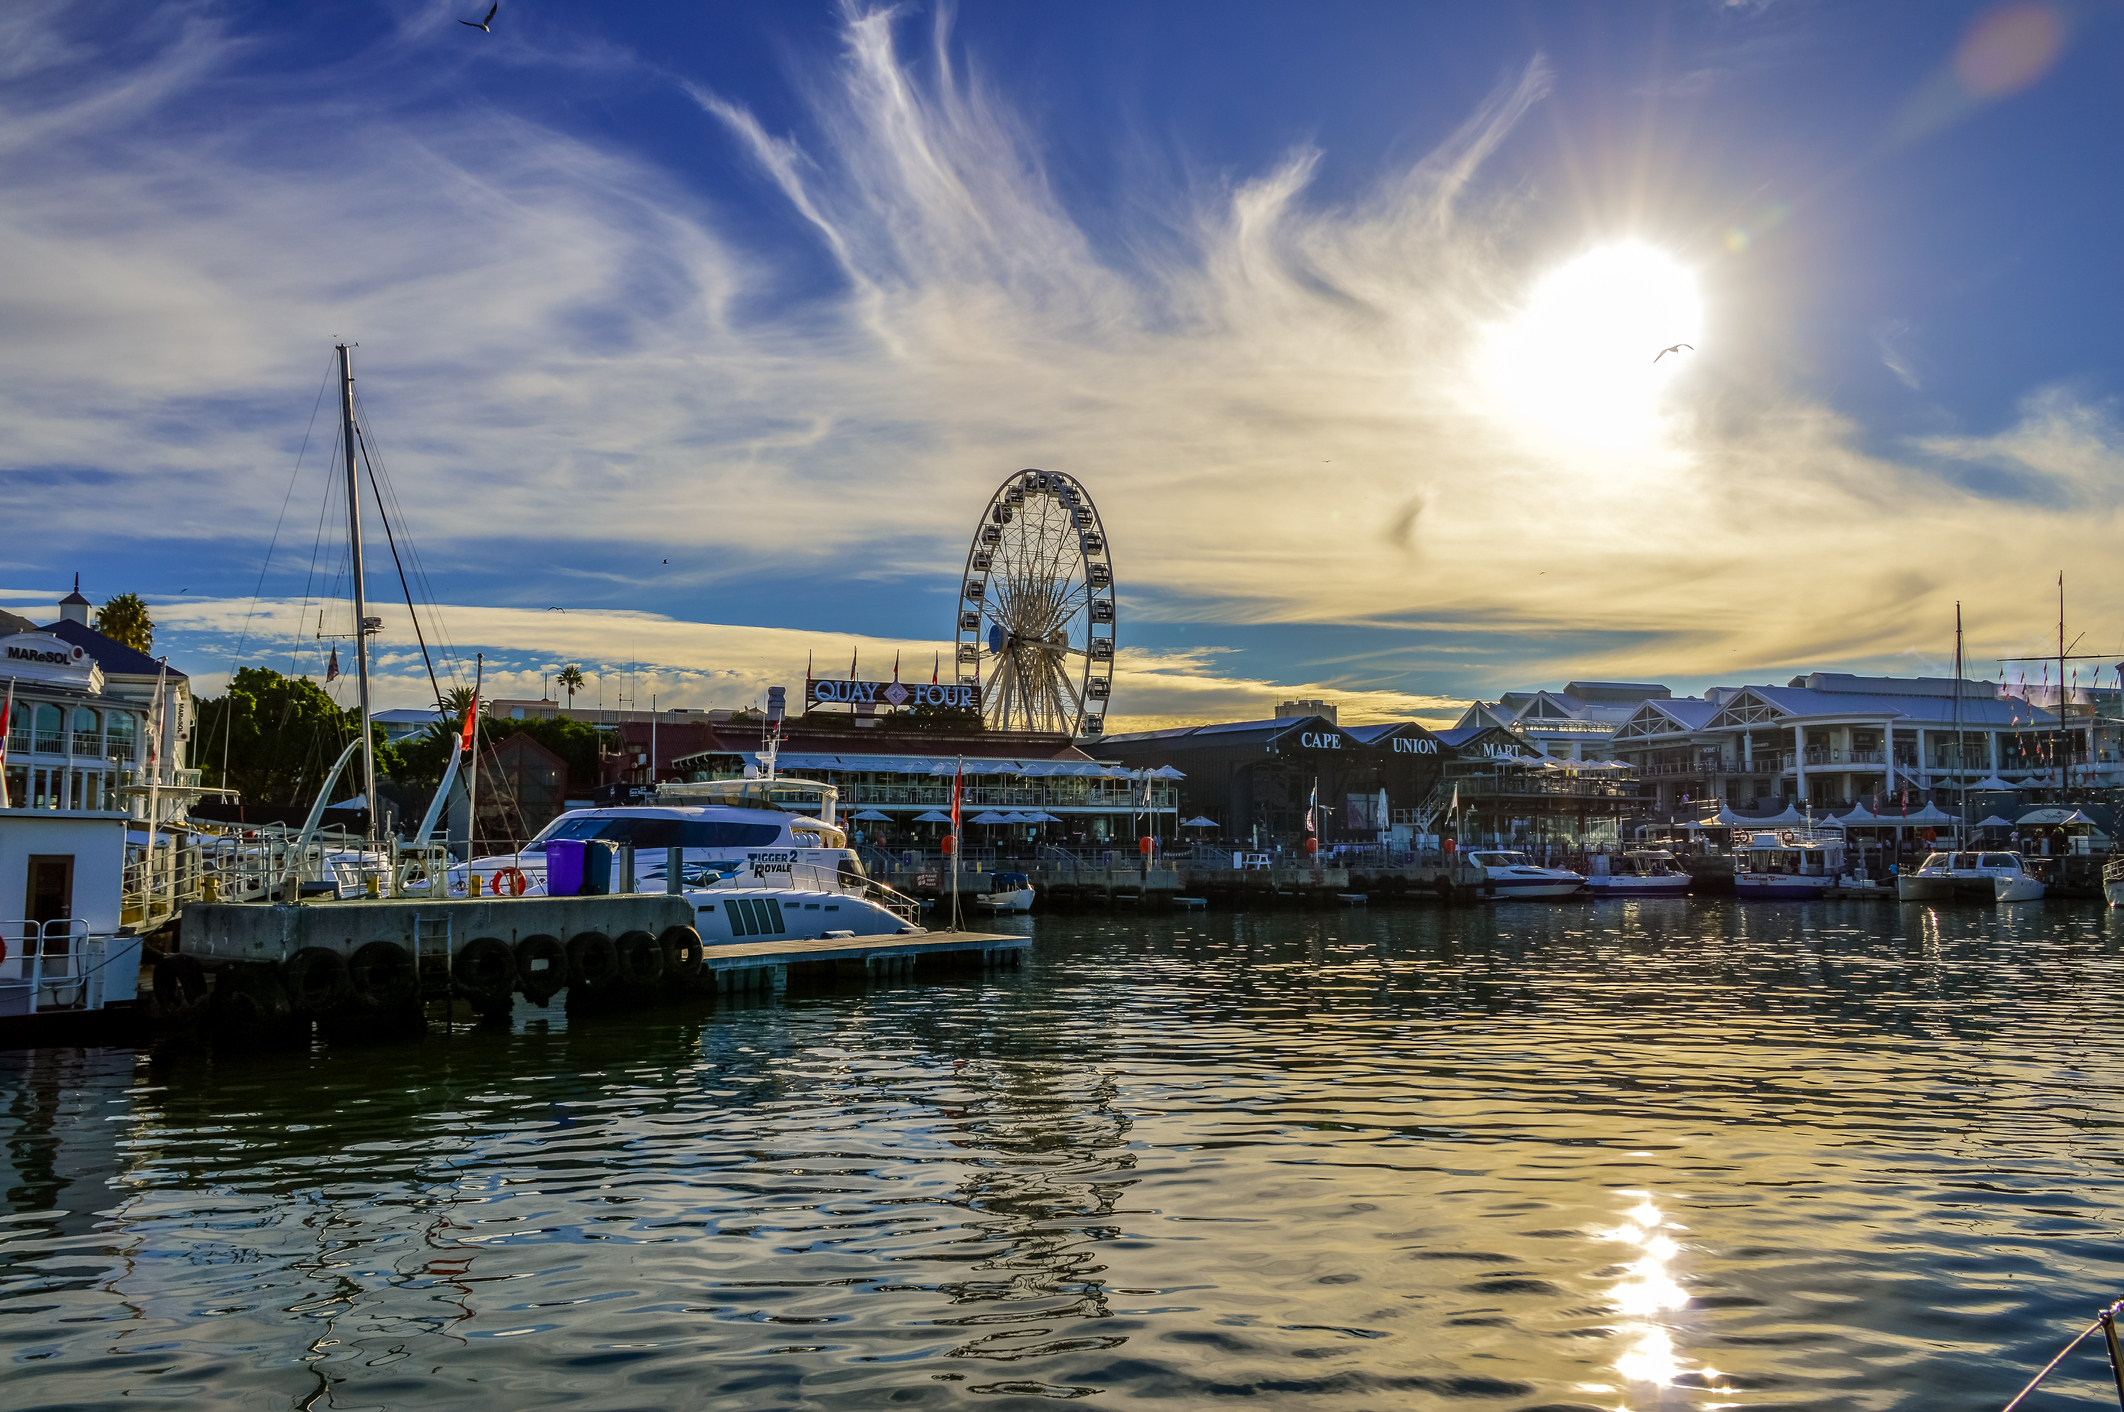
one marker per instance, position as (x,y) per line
(61,1150)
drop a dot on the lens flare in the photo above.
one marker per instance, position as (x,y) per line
(2009,49)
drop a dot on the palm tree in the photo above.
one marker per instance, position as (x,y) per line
(571,681)
(125,619)
(453,702)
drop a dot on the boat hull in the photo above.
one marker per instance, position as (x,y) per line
(2113,892)
(2017,888)
(1778,887)
(1505,889)
(1018,899)
(1914,889)
(1638,887)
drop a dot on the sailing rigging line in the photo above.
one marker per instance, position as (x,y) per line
(453,660)
(243,636)
(392,540)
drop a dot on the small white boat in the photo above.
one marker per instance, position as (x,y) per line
(1014,893)
(1644,872)
(1501,873)
(2113,882)
(1792,866)
(1970,877)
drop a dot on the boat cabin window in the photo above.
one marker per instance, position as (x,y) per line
(1938,860)
(1999,860)
(646,833)
(1503,860)
(851,867)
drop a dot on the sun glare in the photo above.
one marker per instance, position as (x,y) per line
(1578,361)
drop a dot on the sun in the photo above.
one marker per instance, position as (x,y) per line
(1577,363)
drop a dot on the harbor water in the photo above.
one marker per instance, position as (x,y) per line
(1651,1155)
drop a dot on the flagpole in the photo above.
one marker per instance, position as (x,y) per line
(7,714)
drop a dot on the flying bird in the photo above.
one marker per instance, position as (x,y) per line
(481,25)
(1675,349)
(550,610)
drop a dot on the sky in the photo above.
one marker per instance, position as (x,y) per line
(694,337)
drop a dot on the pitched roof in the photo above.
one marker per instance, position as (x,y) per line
(110,654)
(10,624)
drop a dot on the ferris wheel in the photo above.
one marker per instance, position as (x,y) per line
(1036,608)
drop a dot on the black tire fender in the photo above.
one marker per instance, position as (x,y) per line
(251,1005)
(180,985)
(641,960)
(592,960)
(541,967)
(382,976)
(316,981)
(484,969)
(683,961)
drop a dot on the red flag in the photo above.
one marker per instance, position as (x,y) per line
(464,741)
(896,666)
(332,667)
(937,661)
(851,666)
(958,782)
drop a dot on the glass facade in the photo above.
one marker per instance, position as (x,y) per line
(68,756)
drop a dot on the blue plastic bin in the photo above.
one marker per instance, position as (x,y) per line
(564,867)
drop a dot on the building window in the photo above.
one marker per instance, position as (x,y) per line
(88,731)
(124,734)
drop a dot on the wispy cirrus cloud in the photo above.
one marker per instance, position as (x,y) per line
(1278,401)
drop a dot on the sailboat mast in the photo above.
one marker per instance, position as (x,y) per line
(2064,770)
(1962,790)
(361,587)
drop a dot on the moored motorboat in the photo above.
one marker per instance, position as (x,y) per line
(1791,866)
(1014,893)
(753,863)
(2113,882)
(1502,873)
(1647,872)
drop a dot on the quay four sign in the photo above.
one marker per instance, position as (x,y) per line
(893,693)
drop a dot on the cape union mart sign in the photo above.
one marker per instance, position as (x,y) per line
(893,693)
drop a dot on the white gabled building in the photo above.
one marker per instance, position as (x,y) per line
(1576,723)
(89,714)
(1836,738)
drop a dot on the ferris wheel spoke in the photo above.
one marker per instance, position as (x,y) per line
(1035,609)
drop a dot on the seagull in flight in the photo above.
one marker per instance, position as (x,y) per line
(481,25)
(1662,352)
(550,610)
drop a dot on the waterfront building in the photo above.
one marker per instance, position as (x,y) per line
(405,722)
(1576,723)
(1256,779)
(90,714)
(1833,738)
(895,782)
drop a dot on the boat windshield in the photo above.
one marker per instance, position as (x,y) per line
(651,832)
(1504,860)
(1938,860)
(2000,860)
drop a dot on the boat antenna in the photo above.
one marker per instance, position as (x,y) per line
(361,599)
(1961,784)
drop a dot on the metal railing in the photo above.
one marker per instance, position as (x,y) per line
(60,965)
(2106,1321)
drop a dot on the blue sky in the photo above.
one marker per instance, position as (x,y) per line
(1344,313)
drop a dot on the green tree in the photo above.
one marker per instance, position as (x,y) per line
(125,619)
(453,703)
(570,680)
(279,735)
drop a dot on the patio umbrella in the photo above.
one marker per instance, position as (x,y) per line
(934,816)
(1198,822)
(874,815)
(1995,822)
(989,817)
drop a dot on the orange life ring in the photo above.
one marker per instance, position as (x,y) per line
(518,883)
(1785,837)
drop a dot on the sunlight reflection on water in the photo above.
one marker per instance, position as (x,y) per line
(1642,1156)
